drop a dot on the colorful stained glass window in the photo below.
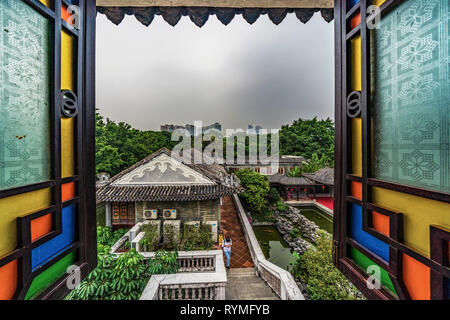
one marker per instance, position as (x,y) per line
(411,95)
(24,94)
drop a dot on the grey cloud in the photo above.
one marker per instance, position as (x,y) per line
(237,74)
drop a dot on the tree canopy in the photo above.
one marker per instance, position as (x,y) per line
(308,137)
(256,189)
(119,145)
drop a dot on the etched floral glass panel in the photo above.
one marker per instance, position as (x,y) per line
(24,95)
(411,95)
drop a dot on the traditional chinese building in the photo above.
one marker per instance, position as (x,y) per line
(161,182)
(285,164)
(317,186)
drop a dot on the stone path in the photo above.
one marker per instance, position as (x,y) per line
(231,226)
(244,284)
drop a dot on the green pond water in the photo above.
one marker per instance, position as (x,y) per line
(275,249)
(324,221)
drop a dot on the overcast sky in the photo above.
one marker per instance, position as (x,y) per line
(240,74)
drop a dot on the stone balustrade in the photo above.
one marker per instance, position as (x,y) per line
(280,280)
(200,291)
(190,284)
(201,276)
(197,264)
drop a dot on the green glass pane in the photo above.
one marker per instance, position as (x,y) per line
(49,276)
(24,95)
(364,263)
(411,95)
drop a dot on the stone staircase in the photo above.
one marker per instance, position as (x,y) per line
(244,284)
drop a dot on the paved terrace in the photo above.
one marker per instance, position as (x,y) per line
(243,283)
(231,226)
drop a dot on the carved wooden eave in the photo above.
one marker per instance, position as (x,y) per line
(200,10)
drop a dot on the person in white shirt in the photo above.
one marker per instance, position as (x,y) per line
(226,245)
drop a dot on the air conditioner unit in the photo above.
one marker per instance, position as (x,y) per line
(175,224)
(151,214)
(214,230)
(170,214)
(192,223)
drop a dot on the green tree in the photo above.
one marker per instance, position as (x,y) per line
(315,163)
(315,269)
(297,172)
(306,137)
(119,145)
(256,190)
(123,277)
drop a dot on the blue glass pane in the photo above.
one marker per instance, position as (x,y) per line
(365,239)
(52,248)
(411,95)
(24,95)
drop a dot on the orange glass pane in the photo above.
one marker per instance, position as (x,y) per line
(41,226)
(356,189)
(68,191)
(416,277)
(380,223)
(8,280)
(65,14)
(356,21)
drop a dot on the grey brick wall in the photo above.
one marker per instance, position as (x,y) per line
(208,210)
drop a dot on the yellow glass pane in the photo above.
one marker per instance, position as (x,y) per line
(67,124)
(356,146)
(356,78)
(16,206)
(356,85)
(418,215)
(378,2)
(48,3)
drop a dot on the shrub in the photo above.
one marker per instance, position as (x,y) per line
(121,278)
(281,206)
(256,190)
(164,262)
(265,216)
(151,237)
(124,277)
(104,235)
(315,269)
(196,238)
(116,235)
(295,233)
(316,163)
(273,196)
(171,238)
(296,172)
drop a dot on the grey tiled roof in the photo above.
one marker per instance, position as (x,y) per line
(223,185)
(164,193)
(324,175)
(290,181)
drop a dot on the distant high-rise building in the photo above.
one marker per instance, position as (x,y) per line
(253,130)
(191,129)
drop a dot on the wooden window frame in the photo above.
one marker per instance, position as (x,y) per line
(343,177)
(84,140)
